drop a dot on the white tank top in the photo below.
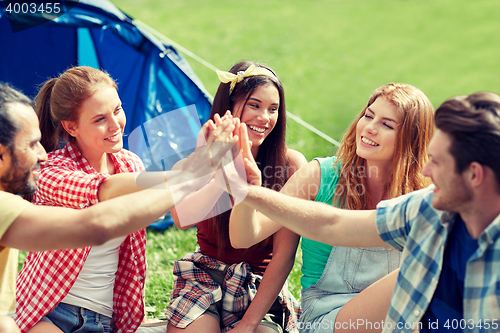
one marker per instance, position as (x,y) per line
(94,286)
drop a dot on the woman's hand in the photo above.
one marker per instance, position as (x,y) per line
(208,157)
(206,135)
(253,173)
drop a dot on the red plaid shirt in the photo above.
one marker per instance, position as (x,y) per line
(67,180)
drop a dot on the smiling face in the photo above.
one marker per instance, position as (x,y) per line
(451,192)
(100,124)
(20,172)
(259,113)
(376,132)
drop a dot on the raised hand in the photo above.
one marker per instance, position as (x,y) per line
(200,165)
(253,173)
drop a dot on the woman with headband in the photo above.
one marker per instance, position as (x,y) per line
(220,288)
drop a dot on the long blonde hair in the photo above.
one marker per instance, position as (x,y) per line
(410,153)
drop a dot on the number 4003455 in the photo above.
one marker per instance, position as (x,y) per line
(34,8)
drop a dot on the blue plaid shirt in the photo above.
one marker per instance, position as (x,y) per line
(410,224)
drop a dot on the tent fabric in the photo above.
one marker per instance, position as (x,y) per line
(153,78)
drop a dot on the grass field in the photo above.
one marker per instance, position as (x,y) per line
(330,56)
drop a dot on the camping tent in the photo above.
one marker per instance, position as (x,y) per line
(153,78)
(163,99)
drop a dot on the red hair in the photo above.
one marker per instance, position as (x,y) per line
(410,154)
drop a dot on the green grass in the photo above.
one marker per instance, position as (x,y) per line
(331,54)
(162,249)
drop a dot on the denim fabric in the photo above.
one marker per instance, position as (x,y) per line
(74,319)
(347,272)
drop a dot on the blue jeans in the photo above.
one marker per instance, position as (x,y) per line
(74,319)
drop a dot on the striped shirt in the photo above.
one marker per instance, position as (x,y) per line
(410,223)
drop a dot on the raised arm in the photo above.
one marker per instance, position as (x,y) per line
(315,220)
(125,183)
(41,228)
(205,198)
(248,226)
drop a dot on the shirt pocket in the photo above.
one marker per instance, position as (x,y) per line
(364,266)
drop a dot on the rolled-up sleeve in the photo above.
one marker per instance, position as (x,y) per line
(394,217)
(68,187)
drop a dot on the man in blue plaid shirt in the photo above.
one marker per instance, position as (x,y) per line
(449,233)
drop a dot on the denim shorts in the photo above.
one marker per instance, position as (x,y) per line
(69,318)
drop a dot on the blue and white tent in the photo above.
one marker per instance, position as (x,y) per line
(164,101)
(153,78)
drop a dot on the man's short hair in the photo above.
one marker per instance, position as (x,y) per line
(473,122)
(8,127)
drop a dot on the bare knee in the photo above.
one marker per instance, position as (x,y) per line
(8,325)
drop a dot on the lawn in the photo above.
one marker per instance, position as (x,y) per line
(330,56)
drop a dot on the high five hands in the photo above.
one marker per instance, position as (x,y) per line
(238,170)
(223,153)
(217,142)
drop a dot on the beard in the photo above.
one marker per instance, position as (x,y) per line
(17,179)
(456,197)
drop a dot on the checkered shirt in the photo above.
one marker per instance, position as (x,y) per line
(411,224)
(194,291)
(67,180)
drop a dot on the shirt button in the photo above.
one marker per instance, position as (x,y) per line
(133,238)
(416,312)
(135,257)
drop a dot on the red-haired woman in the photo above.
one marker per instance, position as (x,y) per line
(381,157)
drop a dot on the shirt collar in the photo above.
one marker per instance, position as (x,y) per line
(76,154)
(491,233)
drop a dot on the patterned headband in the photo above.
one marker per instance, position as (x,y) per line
(226,77)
